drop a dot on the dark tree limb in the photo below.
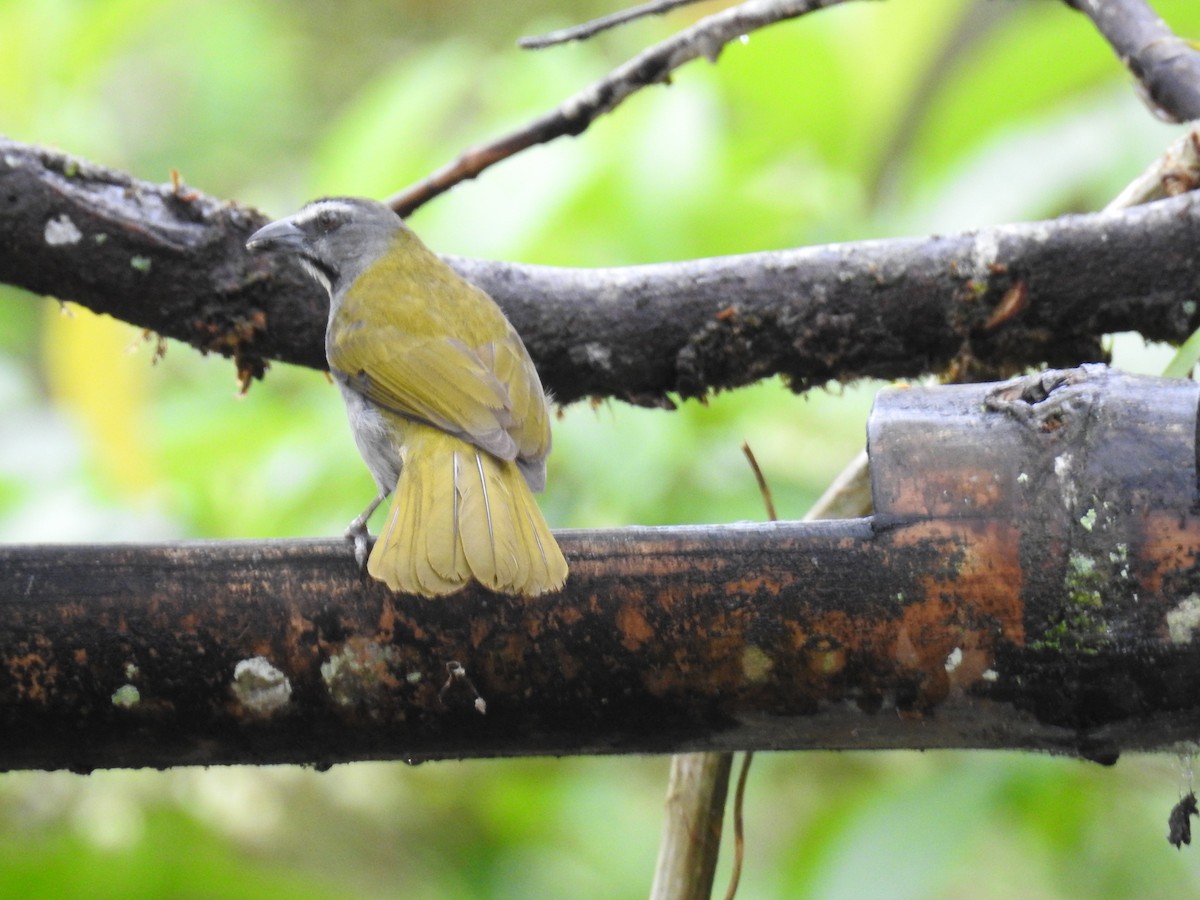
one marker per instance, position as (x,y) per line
(1167,67)
(997,299)
(705,38)
(160,256)
(1030,580)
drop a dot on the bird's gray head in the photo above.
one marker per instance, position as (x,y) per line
(335,238)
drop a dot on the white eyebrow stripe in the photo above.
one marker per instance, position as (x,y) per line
(310,212)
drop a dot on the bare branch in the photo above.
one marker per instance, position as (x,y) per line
(156,255)
(604,23)
(739,833)
(695,812)
(654,65)
(889,308)
(1175,172)
(1167,67)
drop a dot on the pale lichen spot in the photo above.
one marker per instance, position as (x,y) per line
(61,231)
(1067,487)
(126,696)
(1081,563)
(1088,519)
(141,264)
(1120,557)
(360,672)
(954,660)
(985,251)
(989,675)
(260,687)
(756,664)
(1184,619)
(596,355)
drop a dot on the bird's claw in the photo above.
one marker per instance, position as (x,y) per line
(357,532)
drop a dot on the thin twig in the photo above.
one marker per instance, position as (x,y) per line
(739,833)
(763,487)
(596,26)
(691,839)
(1176,171)
(654,65)
(848,495)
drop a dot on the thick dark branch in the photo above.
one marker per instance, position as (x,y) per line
(1166,66)
(1030,580)
(160,256)
(999,298)
(654,65)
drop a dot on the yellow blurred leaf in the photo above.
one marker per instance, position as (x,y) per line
(102,386)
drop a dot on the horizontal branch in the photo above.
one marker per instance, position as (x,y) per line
(172,260)
(1029,581)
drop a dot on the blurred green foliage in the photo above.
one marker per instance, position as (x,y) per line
(861,121)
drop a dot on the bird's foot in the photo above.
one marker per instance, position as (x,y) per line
(357,532)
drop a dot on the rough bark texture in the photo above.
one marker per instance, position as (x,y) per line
(1030,579)
(172,260)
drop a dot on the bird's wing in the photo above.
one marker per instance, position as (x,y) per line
(509,362)
(482,394)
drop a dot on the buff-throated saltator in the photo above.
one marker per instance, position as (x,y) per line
(445,404)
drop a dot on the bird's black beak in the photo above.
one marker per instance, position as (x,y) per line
(277,234)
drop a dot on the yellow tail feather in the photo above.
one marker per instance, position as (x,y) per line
(460,514)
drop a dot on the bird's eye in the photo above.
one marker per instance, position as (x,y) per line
(327,220)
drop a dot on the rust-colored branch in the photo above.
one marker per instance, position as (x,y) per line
(1030,580)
